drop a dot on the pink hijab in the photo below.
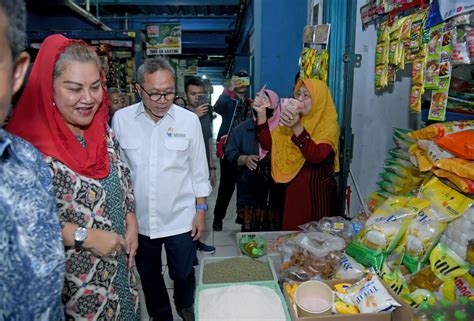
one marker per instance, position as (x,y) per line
(272,121)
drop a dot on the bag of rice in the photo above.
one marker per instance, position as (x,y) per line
(460,144)
(384,229)
(439,130)
(458,166)
(465,185)
(349,268)
(425,230)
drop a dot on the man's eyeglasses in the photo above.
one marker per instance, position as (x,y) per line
(157,96)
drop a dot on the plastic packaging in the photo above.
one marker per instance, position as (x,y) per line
(349,268)
(460,144)
(252,246)
(439,130)
(370,296)
(424,313)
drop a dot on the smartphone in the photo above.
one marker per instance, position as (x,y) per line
(244,81)
(202,99)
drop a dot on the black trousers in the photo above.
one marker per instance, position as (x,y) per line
(227,183)
(180,254)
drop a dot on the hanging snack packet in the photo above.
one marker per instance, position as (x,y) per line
(381,53)
(432,73)
(384,229)
(393,52)
(434,46)
(416,31)
(320,70)
(381,76)
(460,53)
(406,29)
(425,230)
(470,42)
(370,296)
(383,32)
(415,98)
(418,72)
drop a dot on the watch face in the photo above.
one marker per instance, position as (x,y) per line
(80,234)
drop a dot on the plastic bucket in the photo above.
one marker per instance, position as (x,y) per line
(314,298)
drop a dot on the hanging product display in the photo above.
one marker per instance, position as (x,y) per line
(441,51)
(314,64)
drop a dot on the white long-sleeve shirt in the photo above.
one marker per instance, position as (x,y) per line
(168,164)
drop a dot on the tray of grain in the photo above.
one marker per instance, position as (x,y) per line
(249,301)
(219,270)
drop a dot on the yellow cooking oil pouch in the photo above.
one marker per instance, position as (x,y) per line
(424,231)
(447,266)
(384,229)
(395,280)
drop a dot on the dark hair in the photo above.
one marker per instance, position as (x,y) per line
(193,81)
(114,90)
(242,73)
(152,65)
(297,77)
(15,24)
(178,98)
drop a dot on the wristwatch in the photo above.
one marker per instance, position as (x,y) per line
(80,235)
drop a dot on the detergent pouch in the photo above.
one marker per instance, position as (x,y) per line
(384,229)
(349,268)
(425,230)
(370,296)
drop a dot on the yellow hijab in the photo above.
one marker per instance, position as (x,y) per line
(320,123)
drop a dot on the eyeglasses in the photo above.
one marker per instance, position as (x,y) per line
(303,95)
(157,96)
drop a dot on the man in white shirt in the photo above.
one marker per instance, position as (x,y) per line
(164,147)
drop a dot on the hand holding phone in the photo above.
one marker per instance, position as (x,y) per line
(202,99)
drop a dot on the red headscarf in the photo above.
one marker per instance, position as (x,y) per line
(37,120)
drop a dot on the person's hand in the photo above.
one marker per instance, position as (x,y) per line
(250,161)
(104,243)
(234,83)
(213,177)
(131,237)
(199,224)
(289,118)
(201,110)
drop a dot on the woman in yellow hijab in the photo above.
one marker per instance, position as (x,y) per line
(305,153)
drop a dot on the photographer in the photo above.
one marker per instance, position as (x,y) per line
(234,107)
(198,103)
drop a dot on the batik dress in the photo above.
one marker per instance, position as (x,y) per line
(97,288)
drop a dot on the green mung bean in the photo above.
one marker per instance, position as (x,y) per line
(237,269)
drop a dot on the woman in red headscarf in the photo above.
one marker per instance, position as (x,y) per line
(63,112)
(259,198)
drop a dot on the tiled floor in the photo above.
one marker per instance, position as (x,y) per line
(224,241)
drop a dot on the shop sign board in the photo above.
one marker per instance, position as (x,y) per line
(163,39)
(451,8)
(368,13)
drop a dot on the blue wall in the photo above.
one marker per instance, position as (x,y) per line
(278,43)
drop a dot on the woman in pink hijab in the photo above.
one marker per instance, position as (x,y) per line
(259,198)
